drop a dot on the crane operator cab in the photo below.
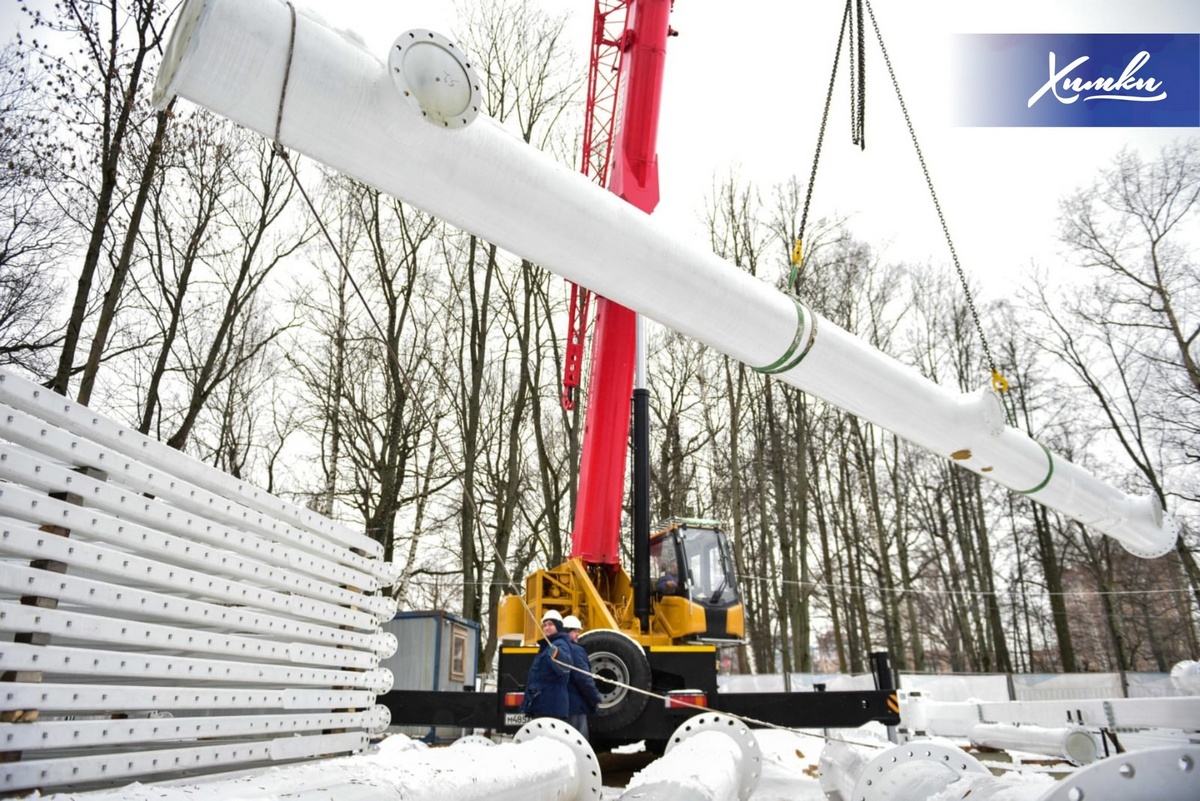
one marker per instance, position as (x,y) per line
(692,579)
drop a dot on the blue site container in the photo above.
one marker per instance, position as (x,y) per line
(438,651)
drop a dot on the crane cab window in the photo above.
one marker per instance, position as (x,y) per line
(709,568)
(694,563)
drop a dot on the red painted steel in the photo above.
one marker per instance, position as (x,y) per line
(633,175)
(600,113)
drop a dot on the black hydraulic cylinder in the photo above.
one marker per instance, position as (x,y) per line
(641,506)
(881,666)
(885,680)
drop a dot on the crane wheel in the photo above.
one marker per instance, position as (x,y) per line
(618,658)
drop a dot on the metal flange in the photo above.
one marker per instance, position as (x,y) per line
(1156,774)
(379,680)
(435,78)
(590,783)
(895,772)
(739,732)
(472,741)
(378,718)
(385,644)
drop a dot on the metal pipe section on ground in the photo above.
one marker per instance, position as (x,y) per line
(1171,773)
(408,127)
(547,761)
(710,757)
(1072,743)
(871,769)
(1155,774)
(955,719)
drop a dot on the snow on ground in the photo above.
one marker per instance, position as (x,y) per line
(1010,787)
(789,766)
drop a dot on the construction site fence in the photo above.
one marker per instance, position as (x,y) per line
(975,686)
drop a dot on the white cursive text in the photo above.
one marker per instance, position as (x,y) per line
(1105,88)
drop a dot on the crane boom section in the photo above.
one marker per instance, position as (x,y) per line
(595,537)
(634,175)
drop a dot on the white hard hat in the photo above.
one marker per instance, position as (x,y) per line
(552,614)
(570,623)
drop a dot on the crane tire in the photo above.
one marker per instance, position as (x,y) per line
(616,656)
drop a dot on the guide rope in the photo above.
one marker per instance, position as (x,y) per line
(287,74)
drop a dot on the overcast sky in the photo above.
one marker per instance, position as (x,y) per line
(745,84)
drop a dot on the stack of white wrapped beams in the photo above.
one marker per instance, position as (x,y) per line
(161,618)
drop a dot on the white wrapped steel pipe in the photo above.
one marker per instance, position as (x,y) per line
(1186,677)
(1072,743)
(874,770)
(547,761)
(710,757)
(706,768)
(842,762)
(369,119)
(943,718)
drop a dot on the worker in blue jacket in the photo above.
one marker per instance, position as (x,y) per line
(584,698)
(546,685)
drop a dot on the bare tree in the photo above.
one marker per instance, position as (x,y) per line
(1134,232)
(121,267)
(31,235)
(319,352)
(369,371)
(528,86)
(678,366)
(1131,337)
(386,405)
(245,427)
(180,238)
(737,235)
(99,101)
(218,230)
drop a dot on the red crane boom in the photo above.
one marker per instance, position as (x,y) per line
(626,67)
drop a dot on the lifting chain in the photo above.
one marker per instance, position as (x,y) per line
(858,97)
(858,94)
(999,382)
